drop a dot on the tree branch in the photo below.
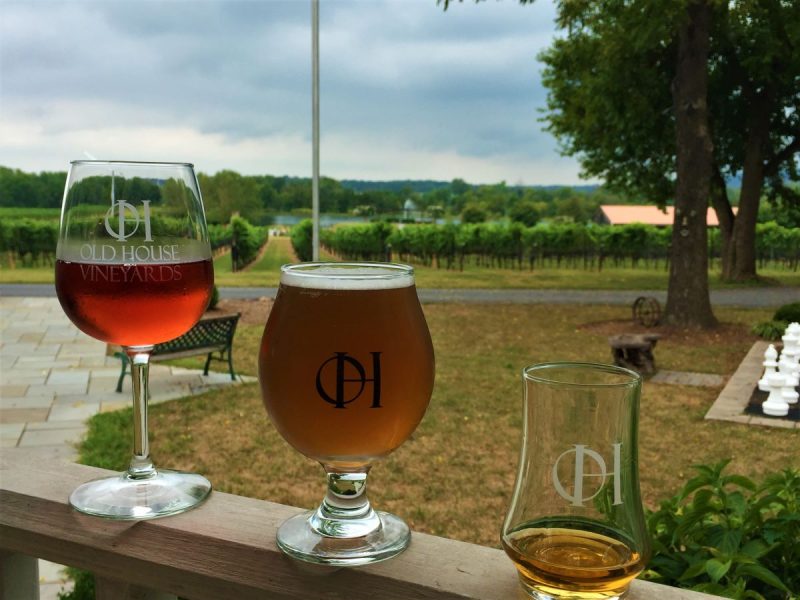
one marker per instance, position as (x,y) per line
(772,166)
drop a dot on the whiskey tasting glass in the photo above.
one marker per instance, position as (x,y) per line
(134,269)
(575,528)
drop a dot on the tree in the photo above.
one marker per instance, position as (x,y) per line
(524,212)
(640,89)
(610,91)
(755,115)
(175,196)
(579,207)
(459,187)
(687,292)
(227,192)
(473,213)
(627,94)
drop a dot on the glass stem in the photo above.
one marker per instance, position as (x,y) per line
(346,511)
(141,467)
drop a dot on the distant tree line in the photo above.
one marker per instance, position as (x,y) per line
(259,197)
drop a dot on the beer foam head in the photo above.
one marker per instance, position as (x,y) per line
(347,276)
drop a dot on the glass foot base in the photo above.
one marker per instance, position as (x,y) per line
(528,591)
(299,540)
(121,497)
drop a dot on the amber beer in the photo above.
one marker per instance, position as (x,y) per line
(346,364)
(572,563)
(134,304)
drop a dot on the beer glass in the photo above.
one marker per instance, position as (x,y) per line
(346,371)
(575,528)
(134,268)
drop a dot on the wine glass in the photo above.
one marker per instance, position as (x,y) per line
(346,370)
(133,267)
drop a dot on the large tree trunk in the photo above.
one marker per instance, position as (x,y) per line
(722,206)
(688,303)
(743,240)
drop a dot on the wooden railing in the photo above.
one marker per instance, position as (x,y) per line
(224,549)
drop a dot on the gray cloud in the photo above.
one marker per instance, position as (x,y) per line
(393,73)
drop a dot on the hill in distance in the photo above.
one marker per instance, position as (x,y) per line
(426,185)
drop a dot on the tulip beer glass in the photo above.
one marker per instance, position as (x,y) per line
(575,528)
(346,371)
(134,268)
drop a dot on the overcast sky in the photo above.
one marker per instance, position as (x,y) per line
(407,90)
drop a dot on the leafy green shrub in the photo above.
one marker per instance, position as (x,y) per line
(214,300)
(83,585)
(358,242)
(246,242)
(770,330)
(524,212)
(301,235)
(31,242)
(724,535)
(219,235)
(788,312)
(473,213)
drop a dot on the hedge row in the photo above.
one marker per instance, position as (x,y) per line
(32,241)
(301,237)
(29,240)
(555,244)
(219,236)
(246,242)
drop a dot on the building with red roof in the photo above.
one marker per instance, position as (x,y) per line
(623,214)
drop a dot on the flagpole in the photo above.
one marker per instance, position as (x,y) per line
(315,128)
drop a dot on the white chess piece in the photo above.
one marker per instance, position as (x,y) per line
(790,359)
(775,405)
(791,349)
(770,363)
(789,394)
(786,367)
(790,339)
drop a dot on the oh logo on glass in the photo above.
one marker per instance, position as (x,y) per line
(350,379)
(121,213)
(581,456)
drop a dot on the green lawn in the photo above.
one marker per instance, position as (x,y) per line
(265,271)
(454,476)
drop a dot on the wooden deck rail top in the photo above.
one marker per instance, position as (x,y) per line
(225,549)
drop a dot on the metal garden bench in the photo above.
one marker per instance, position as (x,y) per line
(208,336)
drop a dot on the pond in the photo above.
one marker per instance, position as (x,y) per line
(288,220)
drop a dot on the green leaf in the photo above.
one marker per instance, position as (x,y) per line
(736,503)
(762,573)
(694,570)
(726,540)
(651,575)
(712,588)
(741,481)
(693,484)
(702,498)
(768,500)
(689,521)
(716,569)
(756,548)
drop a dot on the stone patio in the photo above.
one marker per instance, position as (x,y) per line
(53,377)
